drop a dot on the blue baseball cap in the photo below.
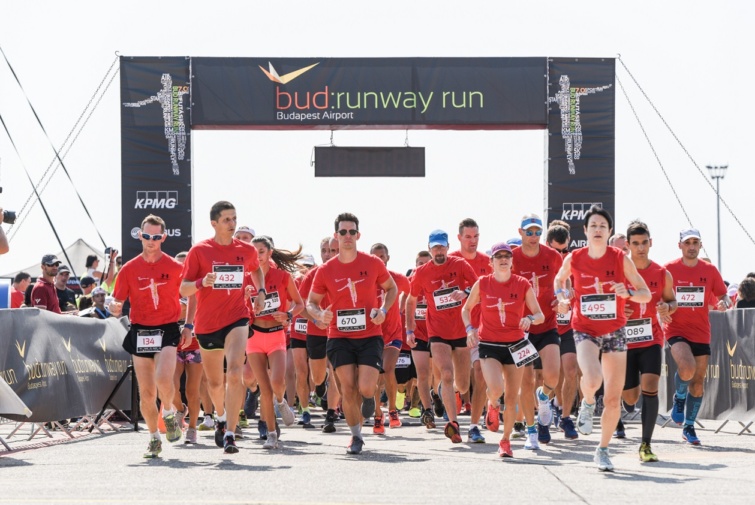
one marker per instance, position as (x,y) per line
(514,241)
(689,233)
(532,222)
(438,237)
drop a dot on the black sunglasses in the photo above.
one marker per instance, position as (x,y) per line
(350,232)
(502,255)
(565,250)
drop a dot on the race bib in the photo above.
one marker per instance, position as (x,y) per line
(639,330)
(690,296)
(351,320)
(228,276)
(272,303)
(443,300)
(563,319)
(599,307)
(149,341)
(420,312)
(523,353)
(300,326)
(403,361)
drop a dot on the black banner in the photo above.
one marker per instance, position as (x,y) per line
(730,380)
(155,150)
(62,366)
(285,93)
(332,161)
(581,136)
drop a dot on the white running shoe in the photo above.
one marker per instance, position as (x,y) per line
(286,413)
(584,418)
(602,460)
(531,444)
(272,441)
(544,412)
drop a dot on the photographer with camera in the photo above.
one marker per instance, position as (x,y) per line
(93,263)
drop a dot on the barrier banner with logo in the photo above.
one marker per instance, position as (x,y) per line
(581,135)
(62,366)
(155,150)
(730,380)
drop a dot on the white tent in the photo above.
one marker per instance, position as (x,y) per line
(77,253)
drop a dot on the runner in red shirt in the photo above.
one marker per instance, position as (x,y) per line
(298,345)
(688,333)
(266,347)
(353,318)
(214,270)
(557,238)
(445,281)
(469,239)
(645,335)
(539,265)
(393,339)
(503,298)
(599,273)
(43,294)
(21,281)
(151,282)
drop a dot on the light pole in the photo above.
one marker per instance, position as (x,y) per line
(717,172)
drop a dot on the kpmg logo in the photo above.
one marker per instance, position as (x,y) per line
(576,211)
(156,200)
(286,78)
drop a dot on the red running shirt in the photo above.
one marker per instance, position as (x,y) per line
(694,288)
(16,298)
(299,324)
(392,327)
(437,282)
(304,288)
(223,304)
(351,288)
(502,307)
(596,310)
(655,278)
(481,266)
(540,270)
(152,289)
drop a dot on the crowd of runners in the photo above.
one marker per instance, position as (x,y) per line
(522,338)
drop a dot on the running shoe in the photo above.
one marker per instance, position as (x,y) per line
(492,418)
(378,428)
(321,389)
(557,413)
(474,436)
(181,417)
(355,446)
(544,412)
(262,428)
(504,449)
(368,407)
(428,419)
(219,433)
(459,403)
(599,405)
(531,444)
(646,454)
(438,406)
(543,433)
(602,460)
(627,407)
(243,420)
(453,432)
(237,431)
(306,418)
(467,410)
(395,421)
(324,403)
(445,416)
(688,434)
(271,442)
(330,422)
(568,426)
(584,418)
(191,436)
(286,414)
(207,425)
(620,431)
(154,448)
(677,411)
(415,412)
(229,445)
(172,429)
(519,430)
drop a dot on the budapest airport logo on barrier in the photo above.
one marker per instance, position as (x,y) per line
(272,74)
(568,99)
(171,99)
(21,348)
(731,349)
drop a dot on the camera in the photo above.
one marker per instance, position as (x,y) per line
(9,216)
(108,250)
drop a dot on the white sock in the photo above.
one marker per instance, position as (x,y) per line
(356,430)
(221,419)
(155,435)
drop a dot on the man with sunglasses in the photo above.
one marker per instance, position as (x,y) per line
(445,281)
(150,282)
(539,265)
(557,238)
(353,318)
(216,270)
(43,294)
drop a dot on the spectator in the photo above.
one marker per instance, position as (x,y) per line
(43,295)
(4,247)
(746,294)
(93,262)
(100,311)
(87,285)
(66,296)
(21,282)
